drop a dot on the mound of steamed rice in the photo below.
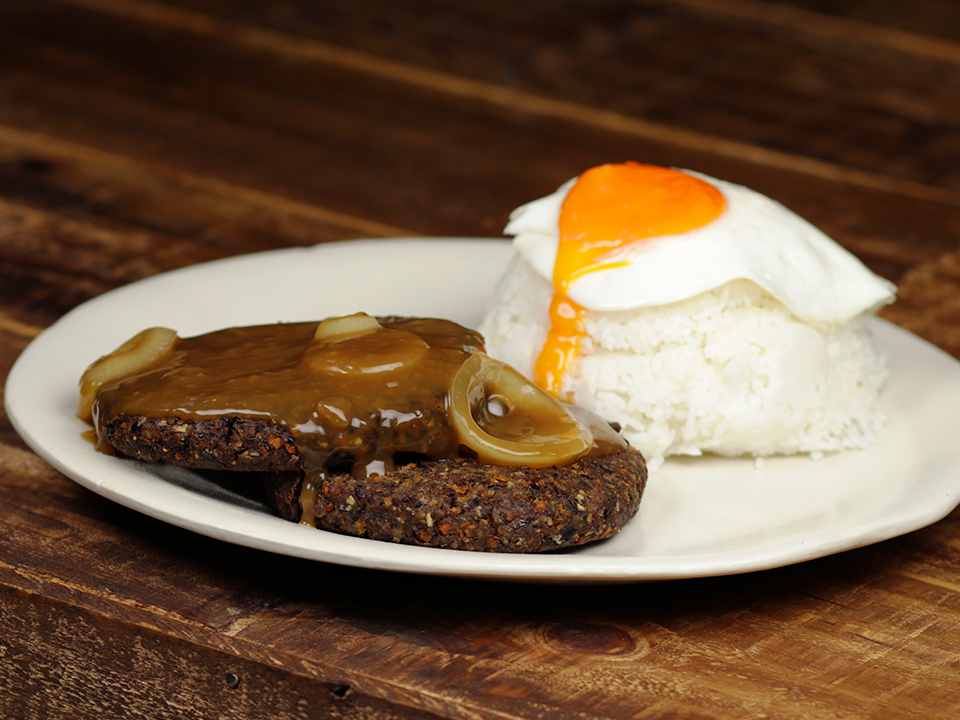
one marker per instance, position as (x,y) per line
(730,371)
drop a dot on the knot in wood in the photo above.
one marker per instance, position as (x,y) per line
(589,638)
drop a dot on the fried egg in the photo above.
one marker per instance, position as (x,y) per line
(631,235)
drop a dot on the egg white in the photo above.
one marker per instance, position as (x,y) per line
(755,238)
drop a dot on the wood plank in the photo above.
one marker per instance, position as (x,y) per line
(800,83)
(928,302)
(92,180)
(79,222)
(926,19)
(151,675)
(462,157)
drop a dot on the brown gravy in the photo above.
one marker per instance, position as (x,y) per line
(365,398)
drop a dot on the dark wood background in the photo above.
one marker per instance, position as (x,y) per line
(139,136)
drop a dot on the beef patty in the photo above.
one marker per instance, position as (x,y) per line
(464,505)
(457,503)
(251,444)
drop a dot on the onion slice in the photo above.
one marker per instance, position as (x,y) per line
(347,326)
(505,419)
(134,355)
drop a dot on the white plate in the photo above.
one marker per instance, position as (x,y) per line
(699,517)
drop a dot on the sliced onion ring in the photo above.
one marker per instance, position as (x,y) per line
(555,436)
(135,354)
(347,326)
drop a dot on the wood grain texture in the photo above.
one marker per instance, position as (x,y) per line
(780,78)
(152,675)
(139,136)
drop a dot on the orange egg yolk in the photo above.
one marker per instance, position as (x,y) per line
(611,206)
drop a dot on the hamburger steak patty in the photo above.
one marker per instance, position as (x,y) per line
(227,443)
(255,445)
(458,504)
(461,504)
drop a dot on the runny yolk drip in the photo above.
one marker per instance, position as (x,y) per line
(611,206)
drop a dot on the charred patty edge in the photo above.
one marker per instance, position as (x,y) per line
(226,443)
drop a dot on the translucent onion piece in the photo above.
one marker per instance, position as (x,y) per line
(341,328)
(134,355)
(369,353)
(507,420)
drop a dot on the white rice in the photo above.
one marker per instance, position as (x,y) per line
(730,371)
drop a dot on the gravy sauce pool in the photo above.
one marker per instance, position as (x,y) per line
(354,401)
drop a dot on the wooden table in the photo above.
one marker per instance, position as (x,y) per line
(138,136)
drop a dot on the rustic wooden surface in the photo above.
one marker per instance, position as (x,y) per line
(139,136)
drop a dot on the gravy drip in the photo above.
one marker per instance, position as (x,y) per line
(352,403)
